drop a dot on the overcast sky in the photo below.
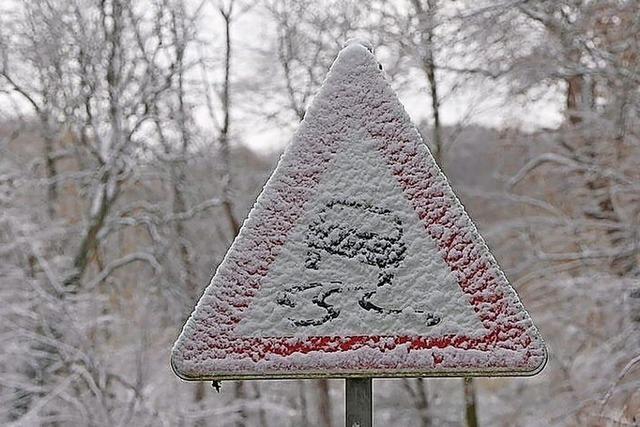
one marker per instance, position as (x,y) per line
(252,35)
(491,106)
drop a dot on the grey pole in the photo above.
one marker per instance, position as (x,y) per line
(358,402)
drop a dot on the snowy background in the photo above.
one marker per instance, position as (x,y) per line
(135,136)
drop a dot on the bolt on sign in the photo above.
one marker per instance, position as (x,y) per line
(357,260)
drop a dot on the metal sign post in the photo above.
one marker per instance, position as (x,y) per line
(358,402)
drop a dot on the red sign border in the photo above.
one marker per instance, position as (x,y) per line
(428,192)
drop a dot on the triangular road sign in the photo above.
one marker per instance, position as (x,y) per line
(357,260)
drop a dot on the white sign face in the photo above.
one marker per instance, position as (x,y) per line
(377,257)
(357,259)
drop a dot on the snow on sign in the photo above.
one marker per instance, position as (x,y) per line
(357,260)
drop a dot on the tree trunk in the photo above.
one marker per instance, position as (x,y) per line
(226,123)
(420,398)
(178,173)
(430,70)
(262,416)
(422,403)
(324,403)
(198,396)
(574,98)
(50,170)
(240,396)
(89,241)
(304,418)
(470,412)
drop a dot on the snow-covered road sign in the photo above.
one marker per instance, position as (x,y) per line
(357,260)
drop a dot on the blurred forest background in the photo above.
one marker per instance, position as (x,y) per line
(135,135)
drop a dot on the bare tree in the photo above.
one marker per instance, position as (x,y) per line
(123,179)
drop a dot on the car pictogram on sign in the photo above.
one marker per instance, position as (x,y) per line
(351,229)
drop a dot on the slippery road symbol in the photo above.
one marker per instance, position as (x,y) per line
(369,234)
